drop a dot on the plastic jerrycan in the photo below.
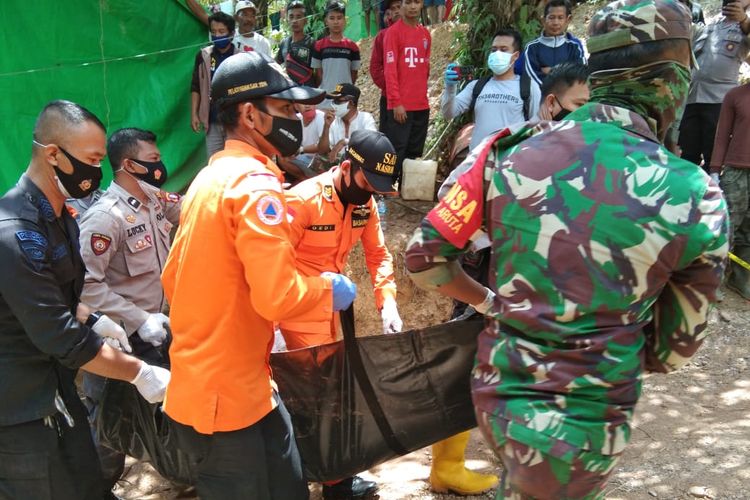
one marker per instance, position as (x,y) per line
(418,179)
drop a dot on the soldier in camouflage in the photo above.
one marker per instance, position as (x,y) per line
(607,251)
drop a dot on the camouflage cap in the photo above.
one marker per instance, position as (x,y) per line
(627,22)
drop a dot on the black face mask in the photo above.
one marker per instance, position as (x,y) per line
(563,112)
(285,134)
(82,181)
(352,193)
(156,172)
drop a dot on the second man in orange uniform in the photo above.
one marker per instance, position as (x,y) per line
(330,213)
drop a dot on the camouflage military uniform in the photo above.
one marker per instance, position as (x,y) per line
(607,251)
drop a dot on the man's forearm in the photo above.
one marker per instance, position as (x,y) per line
(195,99)
(198,11)
(464,289)
(324,144)
(112,363)
(745,25)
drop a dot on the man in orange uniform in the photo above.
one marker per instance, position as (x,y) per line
(229,277)
(330,213)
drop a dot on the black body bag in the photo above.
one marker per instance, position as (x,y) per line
(362,401)
(354,404)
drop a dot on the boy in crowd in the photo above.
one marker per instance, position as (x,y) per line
(335,58)
(435,10)
(295,51)
(370,7)
(407,67)
(377,73)
(246,39)
(556,45)
(207,61)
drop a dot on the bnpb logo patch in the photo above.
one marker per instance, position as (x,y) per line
(270,210)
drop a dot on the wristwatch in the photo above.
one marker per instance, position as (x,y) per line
(301,150)
(93,318)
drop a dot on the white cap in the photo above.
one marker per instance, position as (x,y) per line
(244,4)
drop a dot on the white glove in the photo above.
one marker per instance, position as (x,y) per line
(112,333)
(151,382)
(714,177)
(153,329)
(391,320)
(484,306)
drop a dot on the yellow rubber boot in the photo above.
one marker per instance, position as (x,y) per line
(449,473)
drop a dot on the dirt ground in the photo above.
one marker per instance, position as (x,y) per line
(691,431)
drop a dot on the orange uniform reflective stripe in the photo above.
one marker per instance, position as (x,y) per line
(229,277)
(324,235)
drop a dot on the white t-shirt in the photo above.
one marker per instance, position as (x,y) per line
(312,132)
(256,42)
(499,105)
(363,121)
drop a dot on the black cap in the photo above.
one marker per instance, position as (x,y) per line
(375,155)
(346,90)
(250,75)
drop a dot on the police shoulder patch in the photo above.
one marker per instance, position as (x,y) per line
(100,243)
(33,245)
(270,210)
(168,197)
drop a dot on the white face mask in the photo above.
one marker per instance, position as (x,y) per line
(499,62)
(340,110)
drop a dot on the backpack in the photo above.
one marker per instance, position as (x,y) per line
(297,70)
(525,93)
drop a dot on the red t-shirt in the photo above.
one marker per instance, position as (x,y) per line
(376,61)
(407,66)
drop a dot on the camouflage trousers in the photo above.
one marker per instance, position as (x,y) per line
(530,474)
(735,183)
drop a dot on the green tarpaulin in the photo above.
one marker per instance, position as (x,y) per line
(128,61)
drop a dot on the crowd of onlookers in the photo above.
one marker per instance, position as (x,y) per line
(544,79)
(514,91)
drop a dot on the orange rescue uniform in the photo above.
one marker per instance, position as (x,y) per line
(324,233)
(230,275)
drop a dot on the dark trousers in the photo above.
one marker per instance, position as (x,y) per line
(112,461)
(43,462)
(383,113)
(407,138)
(260,462)
(698,131)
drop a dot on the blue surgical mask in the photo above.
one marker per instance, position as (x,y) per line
(499,62)
(221,42)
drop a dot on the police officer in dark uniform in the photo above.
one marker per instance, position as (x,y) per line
(46,334)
